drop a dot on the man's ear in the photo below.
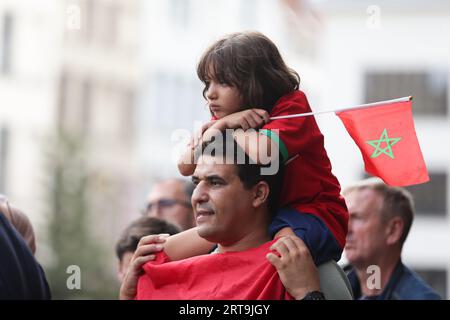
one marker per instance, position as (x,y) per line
(260,193)
(394,230)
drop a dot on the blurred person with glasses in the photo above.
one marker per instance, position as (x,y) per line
(169,200)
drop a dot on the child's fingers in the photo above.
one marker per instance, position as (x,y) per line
(263,114)
(243,123)
(252,122)
(257,118)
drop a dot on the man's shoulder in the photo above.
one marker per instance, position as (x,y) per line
(412,287)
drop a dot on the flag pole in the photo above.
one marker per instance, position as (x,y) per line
(362,106)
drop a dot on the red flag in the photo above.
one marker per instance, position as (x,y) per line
(387,139)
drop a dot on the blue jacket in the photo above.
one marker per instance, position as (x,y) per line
(404,284)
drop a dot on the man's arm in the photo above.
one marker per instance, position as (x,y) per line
(179,246)
(147,247)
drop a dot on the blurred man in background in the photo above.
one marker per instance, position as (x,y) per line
(380,219)
(170,200)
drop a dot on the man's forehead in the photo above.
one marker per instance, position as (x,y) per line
(166,189)
(360,200)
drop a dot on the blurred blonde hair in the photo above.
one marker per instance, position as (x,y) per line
(396,201)
(20,222)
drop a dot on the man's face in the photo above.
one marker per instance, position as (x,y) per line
(168,201)
(366,240)
(222,206)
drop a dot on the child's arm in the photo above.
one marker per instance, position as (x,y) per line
(186,163)
(259,147)
(186,244)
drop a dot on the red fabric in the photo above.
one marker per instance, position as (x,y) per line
(400,165)
(245,275)
(309,185)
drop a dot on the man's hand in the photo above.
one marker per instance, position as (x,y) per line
(145,250)
(295,266)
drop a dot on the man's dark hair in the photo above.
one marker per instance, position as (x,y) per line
(139,228)
(249,172)
(252,63)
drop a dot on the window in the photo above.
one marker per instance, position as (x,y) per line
(436,278)
(4,138)
(6,29)
(431,198)
(429,89)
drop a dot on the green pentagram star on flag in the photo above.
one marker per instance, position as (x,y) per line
(386,150)
(370,122)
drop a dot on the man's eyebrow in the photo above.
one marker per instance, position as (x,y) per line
(214,176)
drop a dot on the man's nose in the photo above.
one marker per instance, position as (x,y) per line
(155,211)
(199,195)
(349,226)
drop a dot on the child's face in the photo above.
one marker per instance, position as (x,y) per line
(223,99)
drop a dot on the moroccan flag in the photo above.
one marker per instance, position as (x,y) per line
(385,134)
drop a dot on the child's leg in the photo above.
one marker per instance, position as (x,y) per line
(186,244)
(312,230)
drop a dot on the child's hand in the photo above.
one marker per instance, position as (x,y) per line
(197,138)
(251,118)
